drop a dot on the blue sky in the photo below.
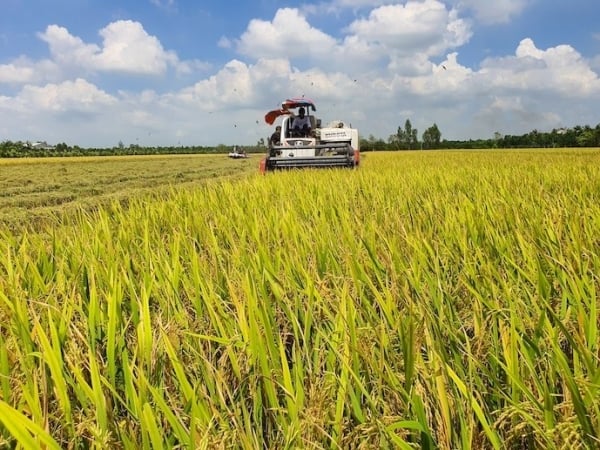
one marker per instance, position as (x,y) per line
(180,72)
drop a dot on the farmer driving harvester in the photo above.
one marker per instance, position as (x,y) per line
(301,126)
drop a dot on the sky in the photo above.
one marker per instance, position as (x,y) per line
(99,73)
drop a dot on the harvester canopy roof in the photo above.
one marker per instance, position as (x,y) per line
(286,105)
(292,103)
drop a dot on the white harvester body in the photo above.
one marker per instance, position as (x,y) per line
(335,145)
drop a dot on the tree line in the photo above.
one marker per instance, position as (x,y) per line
(19,149)
(406,138)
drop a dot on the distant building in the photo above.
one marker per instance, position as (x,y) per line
(41,145)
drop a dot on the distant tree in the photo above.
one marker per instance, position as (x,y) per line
(408,132)
(432,137)
(407,136)
(61,148)
(401,139)
(533,139)
(373,143)
(587,137)
(379,145)
(393,142)
(414,139)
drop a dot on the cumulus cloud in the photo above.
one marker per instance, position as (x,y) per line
(69,95)
(67,49)
(391,34)
(445,83)
(127,50)
(534,89)
(126,47)
(17,72)
(237,85)
(24,70)
(425,27)
(73,111)
(289,35)
(559,69)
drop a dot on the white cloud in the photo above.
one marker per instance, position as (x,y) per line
(289,35)
(67,96)
(535,89)
(76,112)
(425,27)
(558,69)
(23,71)
(405,36)
(445,83)
(237,85)
(16,72)
(390,34)
(67,50)
(126,48)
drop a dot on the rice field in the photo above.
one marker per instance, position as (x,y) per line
(426,300)
(33,190)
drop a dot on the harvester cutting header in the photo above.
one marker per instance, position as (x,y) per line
(300,140)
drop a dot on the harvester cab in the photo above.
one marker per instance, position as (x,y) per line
(314,146)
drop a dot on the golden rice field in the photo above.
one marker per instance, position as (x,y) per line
(426,300)
(32,189)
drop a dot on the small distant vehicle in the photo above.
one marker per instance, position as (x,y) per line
(335,145)
(236,153)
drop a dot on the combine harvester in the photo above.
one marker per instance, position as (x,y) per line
(236,153)
(333,146)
